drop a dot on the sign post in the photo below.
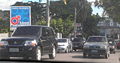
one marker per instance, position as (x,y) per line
(20,16)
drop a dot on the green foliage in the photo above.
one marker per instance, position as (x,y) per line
(111,7)
(63,16)
(41,22)
(60,26)
(4,26)
(90,26)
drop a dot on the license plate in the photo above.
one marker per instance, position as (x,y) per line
(94,51)
(13,49)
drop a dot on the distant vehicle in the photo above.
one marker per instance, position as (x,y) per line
(78,43)
(29,41)
(112,46)
(96,45)
(64,45)
(117,44)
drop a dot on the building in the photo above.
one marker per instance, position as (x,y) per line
(109,28)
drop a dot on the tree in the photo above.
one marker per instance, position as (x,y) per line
(90,25)
(4,26)
(111,8)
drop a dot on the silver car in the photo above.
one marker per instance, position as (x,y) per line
(96,45)
(64,45)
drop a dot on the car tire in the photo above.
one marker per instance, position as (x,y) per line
(84,55)
(67,50)
(37,54)
(106,56)
(53,55)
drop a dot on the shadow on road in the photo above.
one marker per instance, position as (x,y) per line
(91,57)
(77,56)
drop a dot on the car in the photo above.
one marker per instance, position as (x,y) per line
(64,45)
(96,45)
(117,44)
(112,46)
(29,41)
(78,43)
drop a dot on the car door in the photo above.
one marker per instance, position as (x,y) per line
(45,40)
(51,38)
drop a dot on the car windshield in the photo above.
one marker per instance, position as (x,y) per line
(96,39)
(26,31)
(77,40)
(62,40)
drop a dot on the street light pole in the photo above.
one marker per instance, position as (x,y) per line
(48,13)
(75,21)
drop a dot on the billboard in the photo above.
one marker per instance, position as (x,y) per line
(20,16)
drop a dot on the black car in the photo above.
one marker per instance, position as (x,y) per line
(29,41)
(77,43)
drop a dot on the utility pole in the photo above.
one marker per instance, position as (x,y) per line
(48,13)
(75,21)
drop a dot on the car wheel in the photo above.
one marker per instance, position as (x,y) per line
(106,56)
(37,55)
(84,55)
(52,56)
(66,51)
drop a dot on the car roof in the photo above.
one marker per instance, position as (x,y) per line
(96,36)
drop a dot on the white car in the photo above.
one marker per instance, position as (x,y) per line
(64,45)
(96,45)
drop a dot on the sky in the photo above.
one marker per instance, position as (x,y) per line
(5,5)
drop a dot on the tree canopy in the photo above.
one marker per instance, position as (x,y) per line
(111,8)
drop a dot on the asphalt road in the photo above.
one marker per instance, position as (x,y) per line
(78,57)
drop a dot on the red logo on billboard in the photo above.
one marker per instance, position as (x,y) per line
(15,20)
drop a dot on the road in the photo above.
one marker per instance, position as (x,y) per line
(78,57)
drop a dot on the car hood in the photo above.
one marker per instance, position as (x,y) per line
(24,38)
(96,43)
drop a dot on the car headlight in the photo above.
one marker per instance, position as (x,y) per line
(103,47)
(112,46)
(30,43)
(85,46)
(3,43)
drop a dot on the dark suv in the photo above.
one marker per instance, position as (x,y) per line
(77,43)
(29,41)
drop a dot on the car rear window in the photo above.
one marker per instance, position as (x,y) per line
(96,39)
(62,40)
(77,40)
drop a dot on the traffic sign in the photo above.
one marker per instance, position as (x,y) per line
(20,16)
